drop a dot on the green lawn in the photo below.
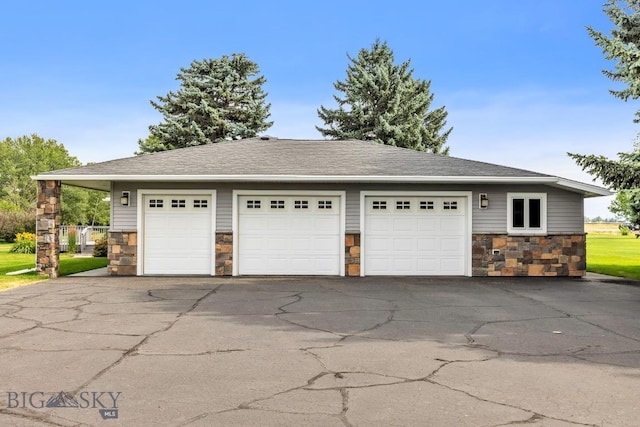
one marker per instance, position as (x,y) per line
(12,262)
(614,255)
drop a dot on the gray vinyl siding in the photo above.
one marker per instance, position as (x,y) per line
(564,208)
(494,218)
(352,220)
(567,211)
(124,217)
(224,209)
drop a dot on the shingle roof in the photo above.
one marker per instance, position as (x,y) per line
(296,158)
(290,160)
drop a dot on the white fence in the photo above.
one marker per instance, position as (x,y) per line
(85,236)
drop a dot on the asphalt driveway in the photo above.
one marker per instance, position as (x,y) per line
(320,352)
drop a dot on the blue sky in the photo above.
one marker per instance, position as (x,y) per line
(521,80)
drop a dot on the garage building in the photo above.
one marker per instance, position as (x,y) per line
(268,206)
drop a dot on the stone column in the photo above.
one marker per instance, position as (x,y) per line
(123,253)
(48,229)
(224,254)
(352,254)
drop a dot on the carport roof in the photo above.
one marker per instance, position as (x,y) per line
(288,160)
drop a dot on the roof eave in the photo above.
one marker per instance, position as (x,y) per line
(587,189)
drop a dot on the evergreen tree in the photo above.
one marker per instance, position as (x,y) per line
(382,101)
(622,174)
(219,99)
(623,46)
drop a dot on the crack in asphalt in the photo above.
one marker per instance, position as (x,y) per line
(567,314)
(134,349)
(534,414)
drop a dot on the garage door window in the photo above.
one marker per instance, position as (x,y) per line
(403,205)
(527,213)
(156,203)
(301,204)
(178,203)
(277,204)
(379,205)
(426,205)
(253,204)
(200,204)
(450,205)
(324,204)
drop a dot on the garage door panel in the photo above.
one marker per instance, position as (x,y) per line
(323,245)
(452,244)
(378,265)
(324,265)
(297,225)
(451,225)
(251,223)
(277,224)
(253,244)
(403,225)
(415,235)
(379,224)
(301,244)
(378,244)
(451,266)
(426,224)
(326,224)
(427,244)
(301,238)
(403,245)
(427,266)
(403,265)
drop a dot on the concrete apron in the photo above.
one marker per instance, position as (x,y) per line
(320,351)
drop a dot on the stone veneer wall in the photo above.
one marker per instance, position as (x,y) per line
(352,254)
(48,229)
(224,254)
(123,253)
(554,255)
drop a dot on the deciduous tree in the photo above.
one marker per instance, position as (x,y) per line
(627,205)
(26,156)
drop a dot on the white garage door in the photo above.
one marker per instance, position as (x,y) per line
(415,236)
(177,234)
(289,235)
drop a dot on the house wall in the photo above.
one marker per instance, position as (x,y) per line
(565,210)
(494,252)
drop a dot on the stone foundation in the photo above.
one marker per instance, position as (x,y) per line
(352,254)
(48,229)
(553,255)
(224,254)
(123,253)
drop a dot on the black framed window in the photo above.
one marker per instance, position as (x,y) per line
(527,213)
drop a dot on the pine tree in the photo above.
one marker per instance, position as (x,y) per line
(623,46)
(383,102)
(219,99)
